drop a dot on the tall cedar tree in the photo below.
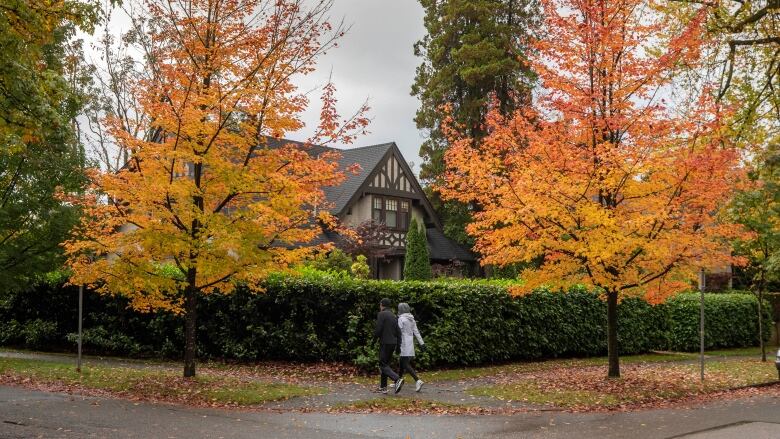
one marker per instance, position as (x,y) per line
(612,188)
(39,151)
(417,263)
(208,193)
(474,49)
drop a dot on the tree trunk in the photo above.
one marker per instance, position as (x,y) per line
(190,321)
(612,335)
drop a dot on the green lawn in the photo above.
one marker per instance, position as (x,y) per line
(522,367)
(640,383)
(149,383)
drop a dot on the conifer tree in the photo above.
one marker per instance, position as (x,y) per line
(474,50)
(417,265)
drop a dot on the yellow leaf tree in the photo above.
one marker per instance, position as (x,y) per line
(603,180)
(210,198)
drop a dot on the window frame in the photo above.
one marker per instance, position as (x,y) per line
(402,217)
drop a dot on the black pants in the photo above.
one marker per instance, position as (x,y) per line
(406,366)
(385,356)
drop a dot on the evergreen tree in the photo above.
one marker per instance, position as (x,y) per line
(417,264)
(474,50)
(40,99)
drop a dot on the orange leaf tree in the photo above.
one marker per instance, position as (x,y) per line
(209,199)
(606,183)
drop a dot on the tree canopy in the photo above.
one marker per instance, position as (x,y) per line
(40,156)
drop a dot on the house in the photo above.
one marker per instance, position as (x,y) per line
(386,191)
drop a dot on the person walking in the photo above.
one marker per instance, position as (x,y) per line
(409,332)
(388,333)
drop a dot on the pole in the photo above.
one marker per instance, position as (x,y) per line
(701,322)
(81,308)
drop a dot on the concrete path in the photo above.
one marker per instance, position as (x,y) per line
(26,413)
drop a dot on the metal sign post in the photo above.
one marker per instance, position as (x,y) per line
(701,322)
(81,308)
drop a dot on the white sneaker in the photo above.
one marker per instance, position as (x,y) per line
(419,385)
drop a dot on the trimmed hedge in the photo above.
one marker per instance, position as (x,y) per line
(313,318)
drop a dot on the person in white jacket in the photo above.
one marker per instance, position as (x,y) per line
(409,332)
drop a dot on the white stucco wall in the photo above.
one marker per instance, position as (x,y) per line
(361,212)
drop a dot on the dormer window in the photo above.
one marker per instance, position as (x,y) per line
(392,212)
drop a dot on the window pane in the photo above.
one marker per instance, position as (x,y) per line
(377,215)
(391,204)
(390,218)
(404,206)
(377,203)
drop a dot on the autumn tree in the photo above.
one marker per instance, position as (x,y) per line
(473,49)
(608,181)
(210,191)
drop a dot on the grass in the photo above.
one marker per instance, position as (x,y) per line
(163,384)
(524,367)
(466,373)
(771,351)
(641,383)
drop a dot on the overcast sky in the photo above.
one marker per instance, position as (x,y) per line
(374,61)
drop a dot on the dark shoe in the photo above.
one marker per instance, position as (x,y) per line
(399,384)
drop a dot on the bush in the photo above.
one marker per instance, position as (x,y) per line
(730,320)
(331,316)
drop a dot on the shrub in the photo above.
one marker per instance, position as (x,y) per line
(730,320)
(319,316)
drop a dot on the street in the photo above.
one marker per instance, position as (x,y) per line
(26,413)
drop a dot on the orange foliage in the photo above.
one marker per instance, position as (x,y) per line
(612,186)
(207,191)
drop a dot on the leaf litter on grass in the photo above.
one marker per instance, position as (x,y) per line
(640,385)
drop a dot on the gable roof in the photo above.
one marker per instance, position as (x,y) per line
(368,157)
(442,248)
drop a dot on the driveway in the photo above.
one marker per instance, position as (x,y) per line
(27,413)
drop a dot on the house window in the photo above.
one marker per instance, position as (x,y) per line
(377,211)
(403,215)
(394,213)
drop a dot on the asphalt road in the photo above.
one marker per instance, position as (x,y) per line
(32,414)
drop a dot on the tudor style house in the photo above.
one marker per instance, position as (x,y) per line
(386,191)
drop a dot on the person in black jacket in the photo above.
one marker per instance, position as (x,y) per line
(388,334)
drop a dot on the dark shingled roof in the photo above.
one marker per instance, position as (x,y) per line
(443,248)
(367,157)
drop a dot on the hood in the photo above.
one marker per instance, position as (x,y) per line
(406,316)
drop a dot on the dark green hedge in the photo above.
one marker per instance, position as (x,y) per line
(331,318)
